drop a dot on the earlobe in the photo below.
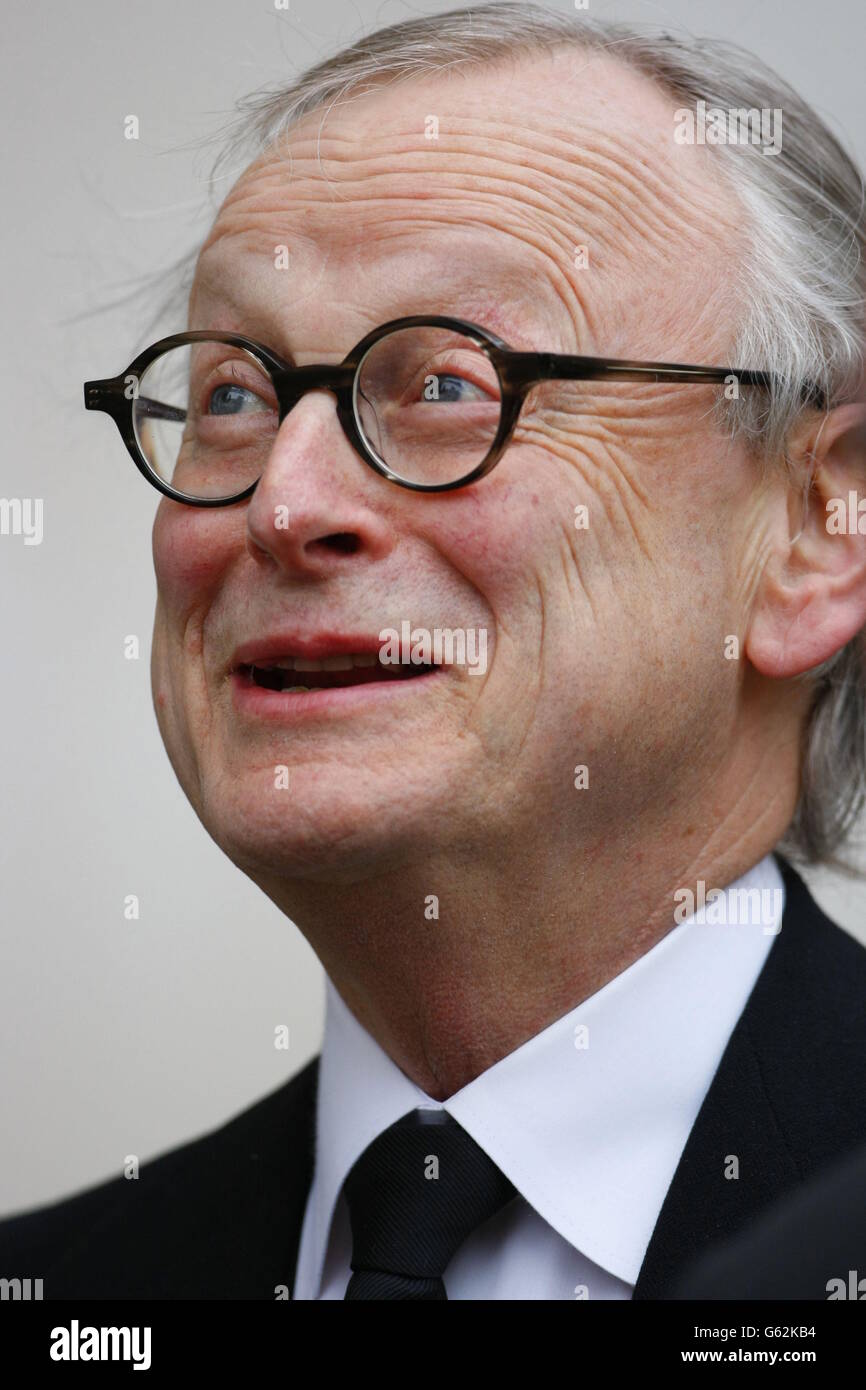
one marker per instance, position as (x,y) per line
(812,598)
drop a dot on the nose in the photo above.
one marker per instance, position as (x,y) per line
(317,509)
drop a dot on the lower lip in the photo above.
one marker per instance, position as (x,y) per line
(281,706)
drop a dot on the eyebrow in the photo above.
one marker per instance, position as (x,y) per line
(511,328)
(493,310)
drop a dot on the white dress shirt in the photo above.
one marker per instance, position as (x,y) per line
(588,1119)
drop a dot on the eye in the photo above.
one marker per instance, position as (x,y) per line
(233,400)
(235,388)
(445,386)
(467,378)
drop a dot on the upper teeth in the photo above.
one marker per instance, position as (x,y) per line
(327,663)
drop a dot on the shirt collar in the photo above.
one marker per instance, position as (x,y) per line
(588,1118)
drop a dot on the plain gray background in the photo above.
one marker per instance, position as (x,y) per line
(126,1037)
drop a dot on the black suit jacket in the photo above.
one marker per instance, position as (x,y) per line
(809,1245)
(220,1217)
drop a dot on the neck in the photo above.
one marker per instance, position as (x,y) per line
(452,964)
(455,958)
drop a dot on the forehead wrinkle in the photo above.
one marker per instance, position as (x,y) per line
(361,231)
(494,292)
(555,175)
(622,114)
(611,190)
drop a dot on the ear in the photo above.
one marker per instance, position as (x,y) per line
(811,598)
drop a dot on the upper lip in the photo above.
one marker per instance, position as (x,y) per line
(313,646)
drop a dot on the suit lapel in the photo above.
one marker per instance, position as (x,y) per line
(771,1113)
(735,1125)
(219,1218)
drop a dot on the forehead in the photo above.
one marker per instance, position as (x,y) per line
(473,183)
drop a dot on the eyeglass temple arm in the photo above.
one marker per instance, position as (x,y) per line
(110,395)
(525,368)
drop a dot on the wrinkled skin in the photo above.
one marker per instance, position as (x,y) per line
(607,644)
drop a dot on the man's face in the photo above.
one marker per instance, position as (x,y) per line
(605,629)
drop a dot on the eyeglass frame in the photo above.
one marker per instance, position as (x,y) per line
(517,371)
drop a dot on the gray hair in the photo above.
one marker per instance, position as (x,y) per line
(803,283)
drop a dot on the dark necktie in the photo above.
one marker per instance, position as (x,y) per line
(414,1196)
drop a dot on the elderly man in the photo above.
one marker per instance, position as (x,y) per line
(503,641)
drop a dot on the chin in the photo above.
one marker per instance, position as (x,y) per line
(338,827)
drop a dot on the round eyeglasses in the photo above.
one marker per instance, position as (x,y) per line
(428,402)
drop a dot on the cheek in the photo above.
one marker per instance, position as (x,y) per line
(191,552)
(499,532)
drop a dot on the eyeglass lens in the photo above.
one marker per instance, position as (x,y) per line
(427,403)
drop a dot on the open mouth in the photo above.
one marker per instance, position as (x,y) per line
(301,675)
